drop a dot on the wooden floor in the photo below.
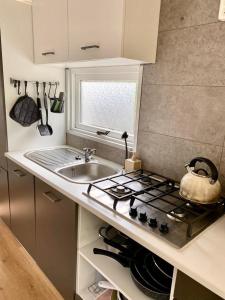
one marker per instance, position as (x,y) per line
(20,277)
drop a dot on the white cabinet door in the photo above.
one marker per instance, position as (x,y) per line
(50,30)
(141,29)
(95,29)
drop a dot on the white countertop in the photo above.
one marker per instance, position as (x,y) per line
(203,258)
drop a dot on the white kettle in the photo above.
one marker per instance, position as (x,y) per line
(198,185)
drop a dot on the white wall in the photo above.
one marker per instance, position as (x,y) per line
(17,51)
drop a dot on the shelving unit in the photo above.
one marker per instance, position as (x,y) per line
(92,268)
(112,271)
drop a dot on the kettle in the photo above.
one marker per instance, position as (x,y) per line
(198,186)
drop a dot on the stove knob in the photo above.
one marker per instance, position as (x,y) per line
(164,228)
(153,223)
(133,212)
(143,217)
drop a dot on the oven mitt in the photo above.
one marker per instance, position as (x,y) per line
(25,111)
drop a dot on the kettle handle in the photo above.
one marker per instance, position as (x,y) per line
(210,164)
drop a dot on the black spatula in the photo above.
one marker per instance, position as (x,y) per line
(43,129)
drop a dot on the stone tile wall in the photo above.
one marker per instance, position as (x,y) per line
(183,96)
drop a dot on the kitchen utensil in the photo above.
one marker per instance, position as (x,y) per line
(58,104)
(106,285)
(43,129)
(25,110)
(112,234)
(162,275)
(50,130)
(107,295)
(150,288)
(198,186)
(145,270)
(163,266)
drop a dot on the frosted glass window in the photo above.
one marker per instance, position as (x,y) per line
(108,104)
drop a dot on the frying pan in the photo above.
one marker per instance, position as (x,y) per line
(109,233)
(146,266)
(147,272)
(148,288)
(155,273)
(163,266)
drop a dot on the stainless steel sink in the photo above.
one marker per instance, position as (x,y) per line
(70,164)
(87,172)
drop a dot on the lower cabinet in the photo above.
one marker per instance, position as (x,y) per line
(56,225)
(21,192)
(188,289)
(4,197)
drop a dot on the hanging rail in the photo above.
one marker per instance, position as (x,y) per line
(14,81)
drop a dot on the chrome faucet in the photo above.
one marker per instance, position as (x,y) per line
(88,152)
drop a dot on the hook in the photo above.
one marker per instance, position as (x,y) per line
(25,87)
(44,87)
(56,87)
(18,91)
(49,91)
(15,84)
(37,87)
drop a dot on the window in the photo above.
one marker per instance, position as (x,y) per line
(104,99)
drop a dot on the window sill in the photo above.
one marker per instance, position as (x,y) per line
(103,139)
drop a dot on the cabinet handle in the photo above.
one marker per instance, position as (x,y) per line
(19,173)
(48,53)
(51,196)
(89,47)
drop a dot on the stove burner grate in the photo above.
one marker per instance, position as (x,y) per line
(161,194)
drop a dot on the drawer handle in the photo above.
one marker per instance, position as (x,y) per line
(19,173)
(89,47)
(51,196)
(48,53)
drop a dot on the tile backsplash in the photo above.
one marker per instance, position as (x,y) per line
(182,111)
(102,150)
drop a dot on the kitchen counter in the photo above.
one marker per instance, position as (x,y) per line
(202,259)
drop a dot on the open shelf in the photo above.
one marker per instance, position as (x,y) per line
(119,276)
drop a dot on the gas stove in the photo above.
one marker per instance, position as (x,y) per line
(153,202)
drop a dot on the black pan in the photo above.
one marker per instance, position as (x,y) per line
(149,288)
(164,267)
(111,234)
(145,265)
(155,273)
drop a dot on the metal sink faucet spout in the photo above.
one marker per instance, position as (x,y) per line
(88,152)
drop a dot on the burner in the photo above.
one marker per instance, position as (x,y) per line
(143,196)
(177,213)
(120,190)
(145,180)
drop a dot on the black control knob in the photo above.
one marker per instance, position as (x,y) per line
(133,212)
(164,228)
(142,217)
(153,223)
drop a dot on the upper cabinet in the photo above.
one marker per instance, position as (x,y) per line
(95,29)
(50,28)
(78,30)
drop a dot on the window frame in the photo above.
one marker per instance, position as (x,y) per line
(118,73)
